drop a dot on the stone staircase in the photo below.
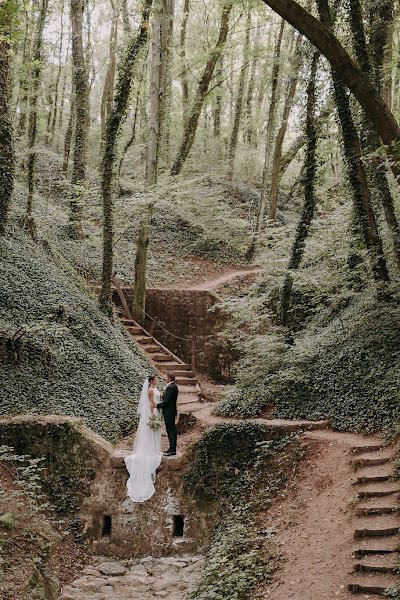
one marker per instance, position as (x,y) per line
(377,508)
(164,360)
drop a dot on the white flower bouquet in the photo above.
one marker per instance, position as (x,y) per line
(155,422)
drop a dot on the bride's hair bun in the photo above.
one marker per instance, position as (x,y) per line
(151,378)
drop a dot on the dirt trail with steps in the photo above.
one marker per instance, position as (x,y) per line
(213,284)
(337,531)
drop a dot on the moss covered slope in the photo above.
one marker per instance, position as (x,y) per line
(59,355)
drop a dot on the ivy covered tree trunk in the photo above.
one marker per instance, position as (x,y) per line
(270,126)
(193,120)
(113,124)
(308,211)
(356,171)
(239,101)
(58,78)
(276,161)
(167,27)
(108,89)
(184,66)
(68,135)
(7,155)
(249,133)
(370,140)
(24,83)
(33,113)
(218,99)
(81,108)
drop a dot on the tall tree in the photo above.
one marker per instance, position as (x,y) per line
(8,11)
(33,103)
(239,99)
(249,133)
(356,170)
(58,78)
(108,89)
(202,90)
(270,127)
(81,110)
(309,196)
(121,98)
(184,66)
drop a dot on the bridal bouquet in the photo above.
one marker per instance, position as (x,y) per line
(155,422)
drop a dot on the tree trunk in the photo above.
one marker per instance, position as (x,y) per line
(184,66)
(218,99)
(167,27)
(347,71)
(113,124)
(7,155)
(81,108)
(25,68)
(249,133)
(68,135)
(155,91)
(276,161)
(381,22)
(239,101)
(59,70)
(270,126)
(369,139)
(62,99)
(32,125)
(356,172)
(193,120)
(309,196)
(108,89)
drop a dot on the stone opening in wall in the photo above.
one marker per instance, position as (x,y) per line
(179,522)
(107,524)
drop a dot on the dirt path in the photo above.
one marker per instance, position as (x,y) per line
(314,525)
(212,284)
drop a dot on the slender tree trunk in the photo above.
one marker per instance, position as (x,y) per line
(276,161)
(113,124)
(239,101)
(68,135)
(81,107)
(381,23)
(356,171)
(33,114)
(218,99)
(184,66)
(25,71)
(249,133)
(167,27)
(108,89)
(270,128)
(369,139)
(7,155)
(62,99)
(309,196)
(193,119)
(58,78)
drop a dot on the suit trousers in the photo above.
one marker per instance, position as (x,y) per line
(171,431)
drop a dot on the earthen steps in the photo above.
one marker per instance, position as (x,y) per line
(378,563)
(372,459)
(382,525)
(159,357)
(378,506)
(379,489)
(371,583)
(183,381)
(381,545)
(144,340)
(367,447)
(135,330)
(152,348)
(373,474)
(174,366)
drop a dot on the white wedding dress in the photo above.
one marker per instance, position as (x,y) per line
(147,454)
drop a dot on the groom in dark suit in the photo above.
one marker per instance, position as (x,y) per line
(168,406)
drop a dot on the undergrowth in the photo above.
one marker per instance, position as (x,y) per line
(238,468)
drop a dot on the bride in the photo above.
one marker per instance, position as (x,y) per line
(147,454)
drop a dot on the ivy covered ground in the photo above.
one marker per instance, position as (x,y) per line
(59,354)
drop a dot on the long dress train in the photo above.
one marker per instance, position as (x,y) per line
(147,455)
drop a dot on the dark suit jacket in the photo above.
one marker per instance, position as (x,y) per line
(169,400)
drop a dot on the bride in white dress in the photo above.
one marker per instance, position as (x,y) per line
(147,454)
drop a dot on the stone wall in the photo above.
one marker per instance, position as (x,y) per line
(193,316)
(83,473)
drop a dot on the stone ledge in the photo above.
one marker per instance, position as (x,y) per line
(171,463)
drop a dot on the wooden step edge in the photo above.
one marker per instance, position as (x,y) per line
(376,510)
(367,448)
(384,531)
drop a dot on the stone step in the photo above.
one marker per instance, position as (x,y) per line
(144,340)
(135,330)
(378,506)
(367,447)
(128,322)
(377,526)
(153,348)
(186,381)
(160,357)
(373,474)
(378,458)
(183,374)
(174,366)
(371,583)
(380,545)
(385,563)
(379,489)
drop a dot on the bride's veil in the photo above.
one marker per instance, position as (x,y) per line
(143,406)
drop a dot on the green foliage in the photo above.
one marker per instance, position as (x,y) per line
(60,355)
(238,467)
(393,592)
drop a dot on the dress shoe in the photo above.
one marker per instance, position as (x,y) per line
(170,453)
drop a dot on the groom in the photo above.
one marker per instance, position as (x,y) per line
(168,406)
